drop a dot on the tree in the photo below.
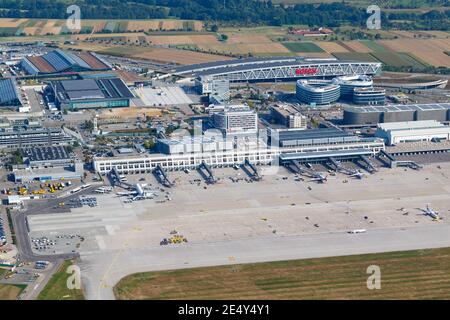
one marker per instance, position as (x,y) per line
(214,28)
(223,37)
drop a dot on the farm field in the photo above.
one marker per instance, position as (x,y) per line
(56,288)
(36,27)
(419,274)
(302,47)
(431,50)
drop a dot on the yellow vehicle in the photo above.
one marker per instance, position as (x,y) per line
(61,204)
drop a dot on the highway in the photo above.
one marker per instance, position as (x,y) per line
(102,270)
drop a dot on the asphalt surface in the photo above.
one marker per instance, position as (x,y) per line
(100,272)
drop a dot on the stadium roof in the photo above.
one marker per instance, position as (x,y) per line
(209,68)
(59,61)
(401,108)
(8,91)
(86,89)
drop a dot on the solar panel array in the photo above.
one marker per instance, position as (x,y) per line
(8,91)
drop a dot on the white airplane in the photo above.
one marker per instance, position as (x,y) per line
(431,213)
(358,174)
(320,178)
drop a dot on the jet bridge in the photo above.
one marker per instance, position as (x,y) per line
(255,174)
(368,164)
(391,161)
(117,180)
(337,166)
(410,164)
(162,176)
(210,177)
(310,173)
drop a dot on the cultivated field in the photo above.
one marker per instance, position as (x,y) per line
(430,50)
(421,274)
(36,27)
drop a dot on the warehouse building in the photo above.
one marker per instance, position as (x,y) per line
(369,96)
(425,130)
(89,93)
(236,119)
(397,113)
(46,156)
(9,97)
(58,61)
(317,92)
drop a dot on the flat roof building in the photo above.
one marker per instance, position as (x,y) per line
(411,131)
(58,61)
(90,93)
(46,156)
(236,119)
(9,96)
(16,137)
(397,113)
(288,116)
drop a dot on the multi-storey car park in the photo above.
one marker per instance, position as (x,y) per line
(396,113)
(58,61)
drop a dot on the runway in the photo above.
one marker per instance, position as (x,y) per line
(101,271)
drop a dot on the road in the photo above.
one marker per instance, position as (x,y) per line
(101,271)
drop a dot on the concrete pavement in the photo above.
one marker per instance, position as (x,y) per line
(100,272)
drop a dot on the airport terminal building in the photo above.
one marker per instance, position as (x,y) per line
(300,144)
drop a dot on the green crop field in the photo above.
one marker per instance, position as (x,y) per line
(302,47)
(418,274)
(397,59)
(373,45)
(357,56)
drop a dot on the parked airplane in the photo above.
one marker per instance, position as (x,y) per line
(431,213)
(358,174)
(320,178)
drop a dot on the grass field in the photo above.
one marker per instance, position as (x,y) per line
(420,274)
(56,288)
(357,56)
(302,47)
(397,59)
(9,292)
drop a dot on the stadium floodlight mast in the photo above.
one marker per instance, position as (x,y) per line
(73,22)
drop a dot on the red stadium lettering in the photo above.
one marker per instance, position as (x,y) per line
(303,71)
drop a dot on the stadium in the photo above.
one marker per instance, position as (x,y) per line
(275,68)
(58,61)
(317,92)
